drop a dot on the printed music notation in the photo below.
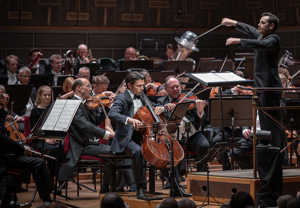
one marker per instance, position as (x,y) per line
(61,115)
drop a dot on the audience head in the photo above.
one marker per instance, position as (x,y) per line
(293,203)
(12,63)
(168,203)
(112,200)
(84,72)
(186,203)
(283,200)
(241,200)
(43,96)
(24,75)
(130,54)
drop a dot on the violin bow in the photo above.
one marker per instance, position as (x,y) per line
(188,93)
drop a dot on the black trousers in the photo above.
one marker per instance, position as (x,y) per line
(39,172)
(137,164)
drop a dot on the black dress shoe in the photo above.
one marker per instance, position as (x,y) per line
(140,193)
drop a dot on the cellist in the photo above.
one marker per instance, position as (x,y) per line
(122,111)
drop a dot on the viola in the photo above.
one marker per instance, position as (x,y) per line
(12,127)
(98,100)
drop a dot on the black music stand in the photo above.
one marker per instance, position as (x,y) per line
(237,111)
(292,119)
(19,96)
(178,66)
(141,64)
(38,80)
(172,126)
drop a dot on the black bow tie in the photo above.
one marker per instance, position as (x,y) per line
(136,97)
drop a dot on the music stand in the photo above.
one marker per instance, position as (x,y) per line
(178,66)
(3,80)
(292,119)
(19,95)
(38,80)
(172,126)
(142,64)
(237,111)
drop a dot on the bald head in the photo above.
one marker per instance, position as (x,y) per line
(130,54)
(82,88)
(173,87)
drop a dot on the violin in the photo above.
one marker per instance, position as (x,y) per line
(98,100)
(182,97)
(152,88)
(12,127)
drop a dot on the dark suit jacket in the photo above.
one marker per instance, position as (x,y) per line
(266,55)
(120,110)
(83,127)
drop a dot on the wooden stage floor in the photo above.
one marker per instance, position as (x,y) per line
(238,179)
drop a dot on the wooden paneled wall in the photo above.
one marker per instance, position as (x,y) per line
(58,25)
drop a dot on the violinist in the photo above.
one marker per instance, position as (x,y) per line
(84,128)
(15,156)
(195,116)
(126,138)
(84,72)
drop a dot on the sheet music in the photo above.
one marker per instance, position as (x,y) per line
(61,115)
(219,77)
(230,77)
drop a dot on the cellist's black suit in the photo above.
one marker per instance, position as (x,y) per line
(122,108)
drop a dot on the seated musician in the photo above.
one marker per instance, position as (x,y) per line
(82,56)
(84,72)
(11,69)
(14,157)
(55,69)
(100,85)
(200,143)
(83,129)
(36,65)
(126,138)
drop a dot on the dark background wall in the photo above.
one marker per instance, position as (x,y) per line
(109,26)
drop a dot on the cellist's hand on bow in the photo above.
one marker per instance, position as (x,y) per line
(170,106)
(135,123)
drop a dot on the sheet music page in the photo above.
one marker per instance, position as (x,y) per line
(209,77)
(230,77)
(61,115)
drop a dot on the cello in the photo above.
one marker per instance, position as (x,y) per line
(156,140)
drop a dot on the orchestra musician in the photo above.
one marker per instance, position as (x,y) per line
(266,45)
(83,129)
(170,52)
(84,72)
(11,69)
(130,54)
(200,143)
(36,65)
(55,69)
(126,138)
(82,57)
(17,156)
